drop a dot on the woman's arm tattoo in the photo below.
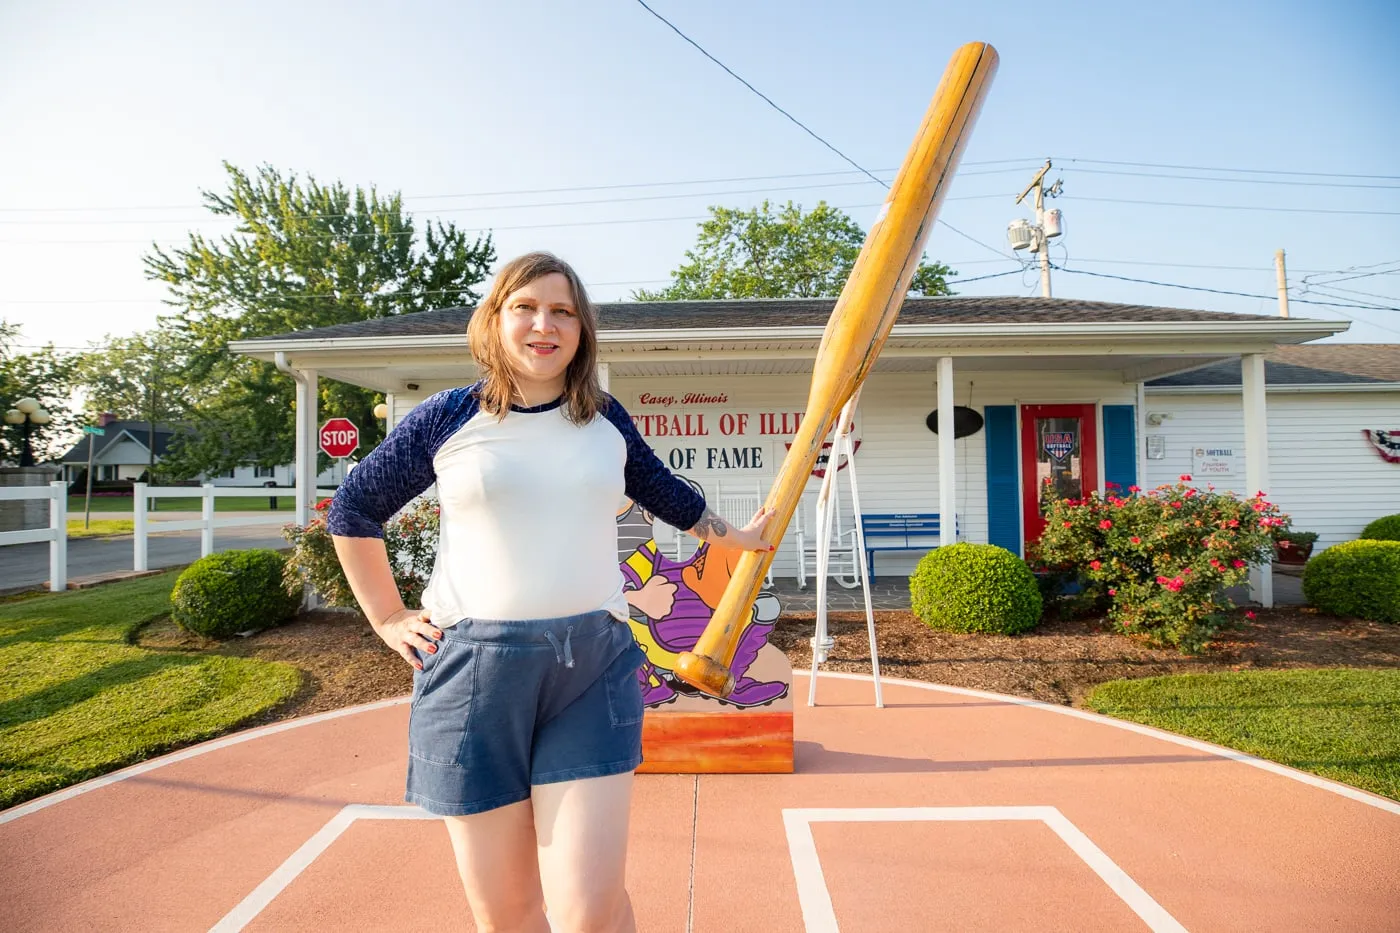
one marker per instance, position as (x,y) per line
(710,525)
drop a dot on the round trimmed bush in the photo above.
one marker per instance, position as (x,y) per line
(975,588)
(1383,529)
(1357,579)
(237,591)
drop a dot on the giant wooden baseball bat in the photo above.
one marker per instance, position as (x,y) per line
(856,331)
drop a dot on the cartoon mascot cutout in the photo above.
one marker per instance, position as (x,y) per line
(672,602)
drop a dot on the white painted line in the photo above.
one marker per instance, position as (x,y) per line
(1303,777)
(819,916)
(277,882)
(193,751)
(1273,767)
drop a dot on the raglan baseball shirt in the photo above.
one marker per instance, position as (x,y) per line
(529,504)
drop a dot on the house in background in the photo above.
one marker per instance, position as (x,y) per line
(123,454)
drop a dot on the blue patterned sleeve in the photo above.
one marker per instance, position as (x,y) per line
(650,483)
(397,470)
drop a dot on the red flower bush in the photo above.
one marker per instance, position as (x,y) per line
(410,538)
(1164,557)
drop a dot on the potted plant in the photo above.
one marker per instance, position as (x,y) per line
(1292,546)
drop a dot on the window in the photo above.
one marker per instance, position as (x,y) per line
(264,472)
(109,472)
(226,474)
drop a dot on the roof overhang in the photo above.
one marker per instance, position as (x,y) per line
(1315,387)
(1138,350)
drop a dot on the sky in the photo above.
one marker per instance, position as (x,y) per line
(1194,140)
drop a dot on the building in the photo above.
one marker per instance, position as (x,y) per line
(1331,408)
(1084,392)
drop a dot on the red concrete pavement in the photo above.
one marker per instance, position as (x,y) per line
(947,810)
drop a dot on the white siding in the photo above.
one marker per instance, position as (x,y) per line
(1323,472)
(898,457)
(282,476)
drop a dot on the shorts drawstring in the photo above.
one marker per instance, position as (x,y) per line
(564,655)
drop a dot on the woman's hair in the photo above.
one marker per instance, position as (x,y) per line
(583,394)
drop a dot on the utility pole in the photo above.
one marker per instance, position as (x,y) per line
(1282,284)
(1048,224)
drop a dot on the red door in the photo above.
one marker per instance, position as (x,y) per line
(1058,443)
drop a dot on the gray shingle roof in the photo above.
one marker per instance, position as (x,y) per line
(139,431)
(793,312)
(1309,364)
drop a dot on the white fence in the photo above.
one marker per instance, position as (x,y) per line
(56,534)
(207,522)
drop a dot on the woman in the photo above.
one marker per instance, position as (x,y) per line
(526,717)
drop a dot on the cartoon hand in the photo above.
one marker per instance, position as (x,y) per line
(655,598)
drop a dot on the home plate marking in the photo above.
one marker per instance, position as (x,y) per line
(298,861)
(819,916)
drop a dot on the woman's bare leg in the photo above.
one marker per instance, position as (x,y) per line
(496,862)
(581,828)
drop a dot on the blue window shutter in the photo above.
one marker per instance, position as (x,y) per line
(1120,445)
(1003,490)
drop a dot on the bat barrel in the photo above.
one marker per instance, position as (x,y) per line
(854,335)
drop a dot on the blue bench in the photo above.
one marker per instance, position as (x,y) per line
(900,531)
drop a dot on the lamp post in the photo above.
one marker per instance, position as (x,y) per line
(28,412)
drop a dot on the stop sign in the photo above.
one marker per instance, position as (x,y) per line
(339,437)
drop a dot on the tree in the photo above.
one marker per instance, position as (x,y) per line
(45,376)
(304,255)
(788,254)
(137,378)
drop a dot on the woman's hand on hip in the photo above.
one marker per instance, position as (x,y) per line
(408,629)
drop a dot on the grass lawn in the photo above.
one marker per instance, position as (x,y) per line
(100,526)
(1342,724)
(77,699)
(286,502)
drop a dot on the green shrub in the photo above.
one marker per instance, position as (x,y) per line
(1358,579)
(1383,529)
(975,588)
(236,591)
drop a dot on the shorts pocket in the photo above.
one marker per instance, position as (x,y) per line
(440,714)
(624,690)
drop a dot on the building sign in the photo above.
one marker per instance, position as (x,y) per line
(1214,461)
(704,431)
(1058,444)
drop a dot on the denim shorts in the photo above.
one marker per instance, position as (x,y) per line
(502,706)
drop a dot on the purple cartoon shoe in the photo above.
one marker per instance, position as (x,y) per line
(750,692)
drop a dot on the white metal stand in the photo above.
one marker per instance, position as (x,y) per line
(828,502)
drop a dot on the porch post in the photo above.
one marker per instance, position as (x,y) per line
(947,462)
(1256,458)
(603,376)
(306,450)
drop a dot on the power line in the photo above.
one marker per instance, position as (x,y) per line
(1239,207)
(1237,181)
(526,191)
(478,207)
(476,230)
(1244,171)
(1221,291)
(803,126)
